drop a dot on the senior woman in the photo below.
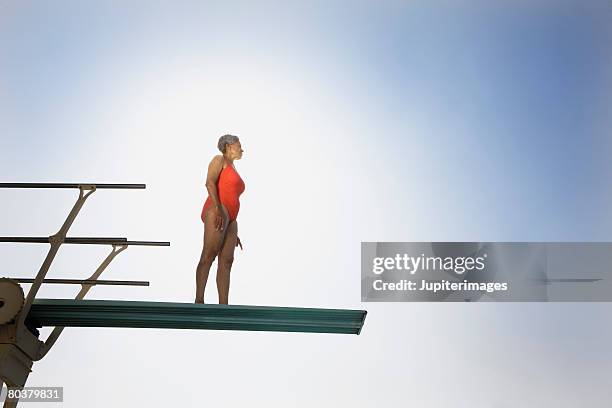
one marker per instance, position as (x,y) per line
(219,214)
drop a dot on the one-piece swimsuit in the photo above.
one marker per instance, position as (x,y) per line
(229,188)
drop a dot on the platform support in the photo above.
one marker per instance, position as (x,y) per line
(117,249)
(15,366)
(56,241)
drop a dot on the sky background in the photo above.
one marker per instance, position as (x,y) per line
(360,121)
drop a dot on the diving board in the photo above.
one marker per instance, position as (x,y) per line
(167,315)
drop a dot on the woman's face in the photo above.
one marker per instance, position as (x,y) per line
(234,151)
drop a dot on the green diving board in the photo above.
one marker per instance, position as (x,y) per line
(167,315)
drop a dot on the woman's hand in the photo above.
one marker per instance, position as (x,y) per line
(239,243)
(218,213)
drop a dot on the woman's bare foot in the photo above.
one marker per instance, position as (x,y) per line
(199,301)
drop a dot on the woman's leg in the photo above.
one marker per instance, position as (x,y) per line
(225,260)
(213,240)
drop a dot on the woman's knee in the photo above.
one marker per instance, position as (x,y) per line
(226,261)
(208,256)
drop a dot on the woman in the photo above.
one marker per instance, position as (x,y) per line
(219,214)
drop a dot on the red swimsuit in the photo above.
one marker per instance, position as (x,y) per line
(229,188)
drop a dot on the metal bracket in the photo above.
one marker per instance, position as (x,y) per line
(44,349)
(17,344)
(55,241)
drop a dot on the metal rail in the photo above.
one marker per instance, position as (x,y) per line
(85,282)
(84,240)
(72,240)
(72,185)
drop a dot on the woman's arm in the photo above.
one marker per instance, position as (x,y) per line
(214,169)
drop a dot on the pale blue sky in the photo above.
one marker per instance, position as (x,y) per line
(361,121)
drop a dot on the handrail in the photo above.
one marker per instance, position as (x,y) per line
(85,282)
(84,240)
(71,185)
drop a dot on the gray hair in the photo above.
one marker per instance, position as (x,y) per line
(225,140)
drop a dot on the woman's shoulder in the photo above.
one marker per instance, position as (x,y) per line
(218,160)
